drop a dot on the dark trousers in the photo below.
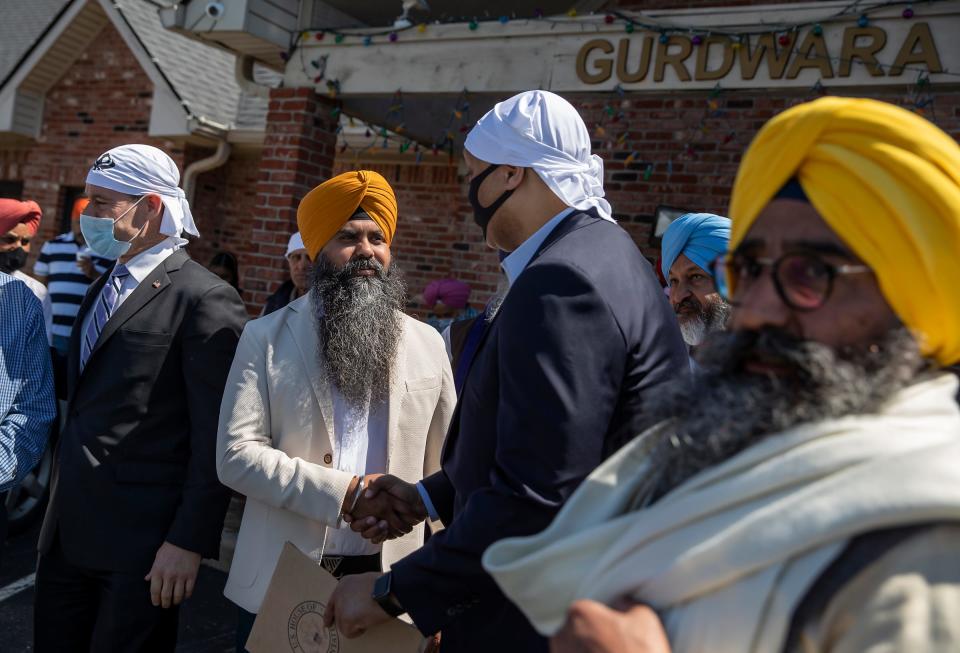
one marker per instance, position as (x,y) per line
(339,566)
(80,610)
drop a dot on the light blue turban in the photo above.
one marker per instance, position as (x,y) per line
(701,237)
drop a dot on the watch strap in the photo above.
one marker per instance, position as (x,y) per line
(384,597)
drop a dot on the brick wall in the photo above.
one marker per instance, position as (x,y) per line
(689,168)
(100,102)
(660,129)
(224,206)
(298,154)
(103,101)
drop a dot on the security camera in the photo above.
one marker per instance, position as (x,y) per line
(214,9)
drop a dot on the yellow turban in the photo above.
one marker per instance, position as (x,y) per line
(329,206)
(888,183)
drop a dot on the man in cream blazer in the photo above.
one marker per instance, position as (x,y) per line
(337,387)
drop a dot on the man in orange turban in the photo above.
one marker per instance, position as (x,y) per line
(360,194)
(348,387)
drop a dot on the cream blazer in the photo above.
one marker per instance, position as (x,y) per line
(274,441)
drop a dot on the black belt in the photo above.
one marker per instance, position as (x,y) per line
(341,566)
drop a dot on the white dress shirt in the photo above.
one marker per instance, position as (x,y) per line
(139,267)
(360,447)
(518,260)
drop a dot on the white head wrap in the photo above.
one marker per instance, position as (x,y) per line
(295,244)
(142,169)
(541,130)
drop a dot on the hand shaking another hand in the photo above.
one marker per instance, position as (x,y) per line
(388,508)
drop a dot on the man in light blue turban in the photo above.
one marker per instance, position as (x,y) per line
(690,245)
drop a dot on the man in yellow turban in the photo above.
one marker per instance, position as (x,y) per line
(804,495)
(330,205)
(328,393)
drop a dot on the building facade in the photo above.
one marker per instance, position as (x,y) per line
(672,93)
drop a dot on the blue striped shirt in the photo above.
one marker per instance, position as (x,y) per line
(66,283)
(27,405)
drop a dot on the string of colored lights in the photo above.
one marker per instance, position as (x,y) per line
(631,21)
(920,98)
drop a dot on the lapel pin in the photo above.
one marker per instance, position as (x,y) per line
(156,284)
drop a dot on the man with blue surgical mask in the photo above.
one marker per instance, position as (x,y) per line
(135,500)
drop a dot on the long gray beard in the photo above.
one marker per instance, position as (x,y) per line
(726,409)
(359,325)
(709,318)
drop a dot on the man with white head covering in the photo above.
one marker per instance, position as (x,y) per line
(690,245)
(583,337)
(135,501)
(299,265)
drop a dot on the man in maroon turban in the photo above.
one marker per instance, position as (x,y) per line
(19,222)
(18,225)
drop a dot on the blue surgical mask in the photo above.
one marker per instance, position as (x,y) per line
(98,232)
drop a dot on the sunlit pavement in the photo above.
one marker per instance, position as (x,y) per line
(207,620)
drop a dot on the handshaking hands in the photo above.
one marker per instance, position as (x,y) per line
(388,508)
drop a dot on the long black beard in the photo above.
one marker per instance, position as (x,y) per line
(359,325)
(727,409)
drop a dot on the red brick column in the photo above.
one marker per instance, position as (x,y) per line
(298,153)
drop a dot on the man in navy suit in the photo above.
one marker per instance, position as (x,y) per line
(584,337)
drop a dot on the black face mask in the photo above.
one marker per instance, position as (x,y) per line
(482,215)
(13,260)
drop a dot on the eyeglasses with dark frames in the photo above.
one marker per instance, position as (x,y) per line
(803,281)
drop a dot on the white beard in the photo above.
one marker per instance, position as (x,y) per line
(694,330)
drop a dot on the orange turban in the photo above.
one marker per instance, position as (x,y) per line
(78,206)
(331,204)
(14,212)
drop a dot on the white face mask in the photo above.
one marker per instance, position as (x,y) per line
(98,232)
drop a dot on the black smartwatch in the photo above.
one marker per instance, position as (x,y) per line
(385,598)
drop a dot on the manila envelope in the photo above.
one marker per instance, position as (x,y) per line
(291,617)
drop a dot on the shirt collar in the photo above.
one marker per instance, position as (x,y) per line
(146,261)
(518,260)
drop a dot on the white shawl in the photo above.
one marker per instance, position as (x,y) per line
(726,557)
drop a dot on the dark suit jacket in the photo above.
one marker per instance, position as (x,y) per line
(583,337)
(135,464)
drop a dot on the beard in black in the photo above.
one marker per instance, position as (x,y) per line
(727,409)
(359,323)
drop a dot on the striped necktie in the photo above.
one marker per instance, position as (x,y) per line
(106,303)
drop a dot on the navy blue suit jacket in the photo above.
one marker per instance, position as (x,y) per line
(584,336)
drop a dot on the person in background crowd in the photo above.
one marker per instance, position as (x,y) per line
(27,406)
(804,495)
(557,383)
(310,404)
(464,337)
(224,265)
(19,222)
(447,301)
(135,501)
(690,245)
(67,267)
(298,261)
